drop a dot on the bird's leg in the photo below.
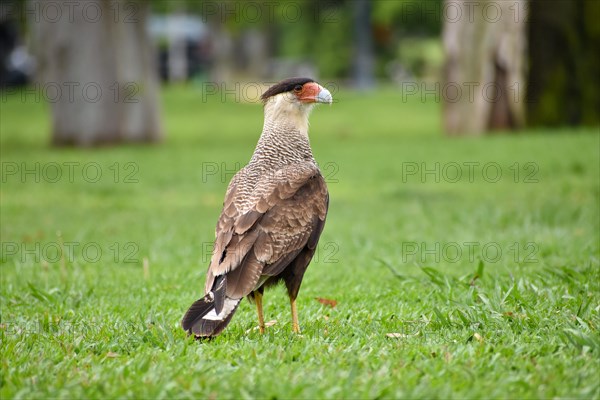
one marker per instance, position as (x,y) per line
(295,324)
(259,310)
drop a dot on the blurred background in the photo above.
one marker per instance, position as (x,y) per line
(491,65)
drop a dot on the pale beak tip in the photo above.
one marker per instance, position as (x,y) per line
(324,96)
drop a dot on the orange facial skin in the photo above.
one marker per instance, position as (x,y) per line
(309,92)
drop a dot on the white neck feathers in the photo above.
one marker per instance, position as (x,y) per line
(283,110)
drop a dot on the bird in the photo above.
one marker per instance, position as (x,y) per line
(273,214)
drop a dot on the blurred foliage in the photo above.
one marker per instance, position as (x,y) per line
(564,38)
(409,17)
(323,29)
(423,57)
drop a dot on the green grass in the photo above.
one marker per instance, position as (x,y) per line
(523,324)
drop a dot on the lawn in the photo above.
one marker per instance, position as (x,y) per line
(460,267)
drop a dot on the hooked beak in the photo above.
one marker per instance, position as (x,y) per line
(324,96)
(315,93)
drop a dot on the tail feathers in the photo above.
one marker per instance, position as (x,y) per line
(202,319)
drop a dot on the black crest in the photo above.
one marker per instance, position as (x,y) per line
(286,85)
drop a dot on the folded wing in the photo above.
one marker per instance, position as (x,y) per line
(262,230)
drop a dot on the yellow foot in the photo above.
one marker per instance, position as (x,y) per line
(259,310)
(295,324)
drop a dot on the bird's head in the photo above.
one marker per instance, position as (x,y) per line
(293,98)
(301,91)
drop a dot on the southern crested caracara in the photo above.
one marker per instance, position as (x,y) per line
(273,214)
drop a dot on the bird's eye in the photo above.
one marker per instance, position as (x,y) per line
(298,88)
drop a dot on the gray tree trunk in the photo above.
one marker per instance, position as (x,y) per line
(255,48)
(97,71)
(363,45)
(484,74)
(221,70)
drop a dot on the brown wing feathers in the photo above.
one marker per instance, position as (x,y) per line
(277,222)
(243,280)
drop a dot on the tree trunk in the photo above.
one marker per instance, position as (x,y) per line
(97,71)
(484,86)
(221,70)
(254,48)
(363,45)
